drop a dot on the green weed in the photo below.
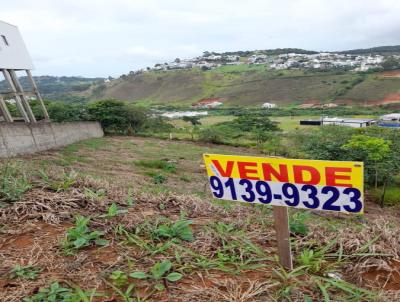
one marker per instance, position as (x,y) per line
(95,195)
(185,178)
(113,211)
(25,272)
(298,224)
(57,293)
(157,164)
(14,183)
(80,236)
(159,179)
(119,278)
(158,273)
(178,230)
(63,183)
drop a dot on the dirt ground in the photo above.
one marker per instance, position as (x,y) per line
(232,256)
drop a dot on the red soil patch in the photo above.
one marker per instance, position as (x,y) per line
(391,74)
(28,236)
(389,99)
(382,278)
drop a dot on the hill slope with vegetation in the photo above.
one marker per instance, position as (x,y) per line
(248,85)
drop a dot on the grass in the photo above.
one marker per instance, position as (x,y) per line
(392,195)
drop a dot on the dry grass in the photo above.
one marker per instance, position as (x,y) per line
(231,259)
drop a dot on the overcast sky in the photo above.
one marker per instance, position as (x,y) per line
(111,37)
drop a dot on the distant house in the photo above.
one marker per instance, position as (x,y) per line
(394,117)
(208,103)
(269,105)
(390,120)
(349,122)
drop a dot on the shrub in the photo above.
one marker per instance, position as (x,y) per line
(211,135)
(159,179)
(117,116)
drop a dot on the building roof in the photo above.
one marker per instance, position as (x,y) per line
(391,116)
(348,120)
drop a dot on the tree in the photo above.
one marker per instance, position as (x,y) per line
(195,122)
(252,123)
(111,113)
(136,118)
(371,150)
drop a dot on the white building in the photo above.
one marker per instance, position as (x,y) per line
(349,122)
(268,105)
(395,117)
(178,114)
(13,52)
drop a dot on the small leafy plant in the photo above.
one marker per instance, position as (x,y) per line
(178,230)
(95,195)
(54,293)
(119,278)
(25,272)
(80,236)
(158,273)
(129,200)
(159,179)
(62,183)
(298,224)
(311,260)
(113,211)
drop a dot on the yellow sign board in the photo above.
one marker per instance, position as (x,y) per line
(309,184)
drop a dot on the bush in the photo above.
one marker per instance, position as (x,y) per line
(211,135)
(117,117)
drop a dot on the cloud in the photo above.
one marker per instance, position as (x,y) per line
(102,37)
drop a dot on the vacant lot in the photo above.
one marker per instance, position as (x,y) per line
(148,230)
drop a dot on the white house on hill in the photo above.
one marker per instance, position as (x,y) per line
(269,105)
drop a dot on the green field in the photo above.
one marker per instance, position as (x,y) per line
(286,123)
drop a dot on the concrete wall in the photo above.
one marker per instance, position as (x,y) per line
(25,138)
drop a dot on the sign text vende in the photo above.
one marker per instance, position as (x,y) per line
(310,184)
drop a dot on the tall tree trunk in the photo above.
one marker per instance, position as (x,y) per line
(382,203)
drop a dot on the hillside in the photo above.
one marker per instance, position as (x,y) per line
(57,88)
(252,85)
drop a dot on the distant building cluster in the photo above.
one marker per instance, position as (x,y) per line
(204,62)
(327,61)
(316,61)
